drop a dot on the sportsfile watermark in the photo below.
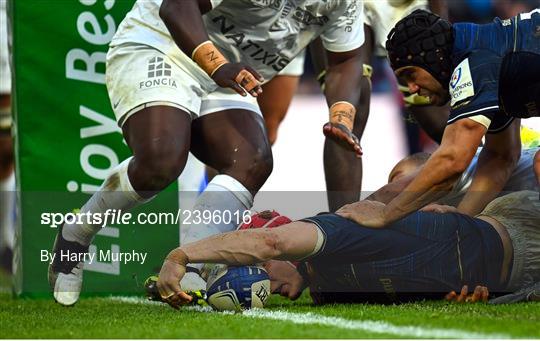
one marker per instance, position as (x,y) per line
(113,217)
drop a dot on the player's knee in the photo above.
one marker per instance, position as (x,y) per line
(160,166)
(261,164)
(255,167)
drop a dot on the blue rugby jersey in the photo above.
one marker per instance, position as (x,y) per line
(424,255)
(478,55)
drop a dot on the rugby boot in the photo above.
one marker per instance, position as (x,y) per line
(66,275)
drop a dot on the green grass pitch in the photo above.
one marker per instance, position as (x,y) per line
(137,318)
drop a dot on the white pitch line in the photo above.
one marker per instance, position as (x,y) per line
(143,301)
(377,327)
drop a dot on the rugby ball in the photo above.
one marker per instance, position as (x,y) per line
(237,288)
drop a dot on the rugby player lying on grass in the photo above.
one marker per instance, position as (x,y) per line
(424,255)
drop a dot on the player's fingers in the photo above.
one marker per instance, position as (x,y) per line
(254,72)
(341,135)
(356,145)
(250,83)
(327,128)
(236,87)
(178,299)
(174,301)
(185,297)
(485,295)
(451,296)
(477,294)
(463,294)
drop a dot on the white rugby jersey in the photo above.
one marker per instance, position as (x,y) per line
(266,34)
(521,179)
(383,15)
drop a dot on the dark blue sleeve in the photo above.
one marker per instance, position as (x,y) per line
(474,87)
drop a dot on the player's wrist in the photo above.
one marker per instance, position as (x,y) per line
(343,112)
(208,57)
(178,256)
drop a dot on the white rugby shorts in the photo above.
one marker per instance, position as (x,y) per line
(382,16)
(295,67)
(139,76)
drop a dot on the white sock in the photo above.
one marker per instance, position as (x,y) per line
(115,193)
(223,194)
(7,212)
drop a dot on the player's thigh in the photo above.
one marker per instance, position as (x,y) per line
(158,132)
(279,91)
(277,96)
(153,98)
(230,132)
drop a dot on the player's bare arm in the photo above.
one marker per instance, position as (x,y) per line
(293,241)
(496,162)
(342,88)
(459,144)
(184,22)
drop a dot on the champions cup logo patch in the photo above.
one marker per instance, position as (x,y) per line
(461,83)
(455,78)
(159,74)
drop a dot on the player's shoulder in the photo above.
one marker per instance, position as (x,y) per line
(474,71)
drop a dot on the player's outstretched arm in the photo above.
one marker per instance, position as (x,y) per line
(292,242)
(183,19)
(496,163)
